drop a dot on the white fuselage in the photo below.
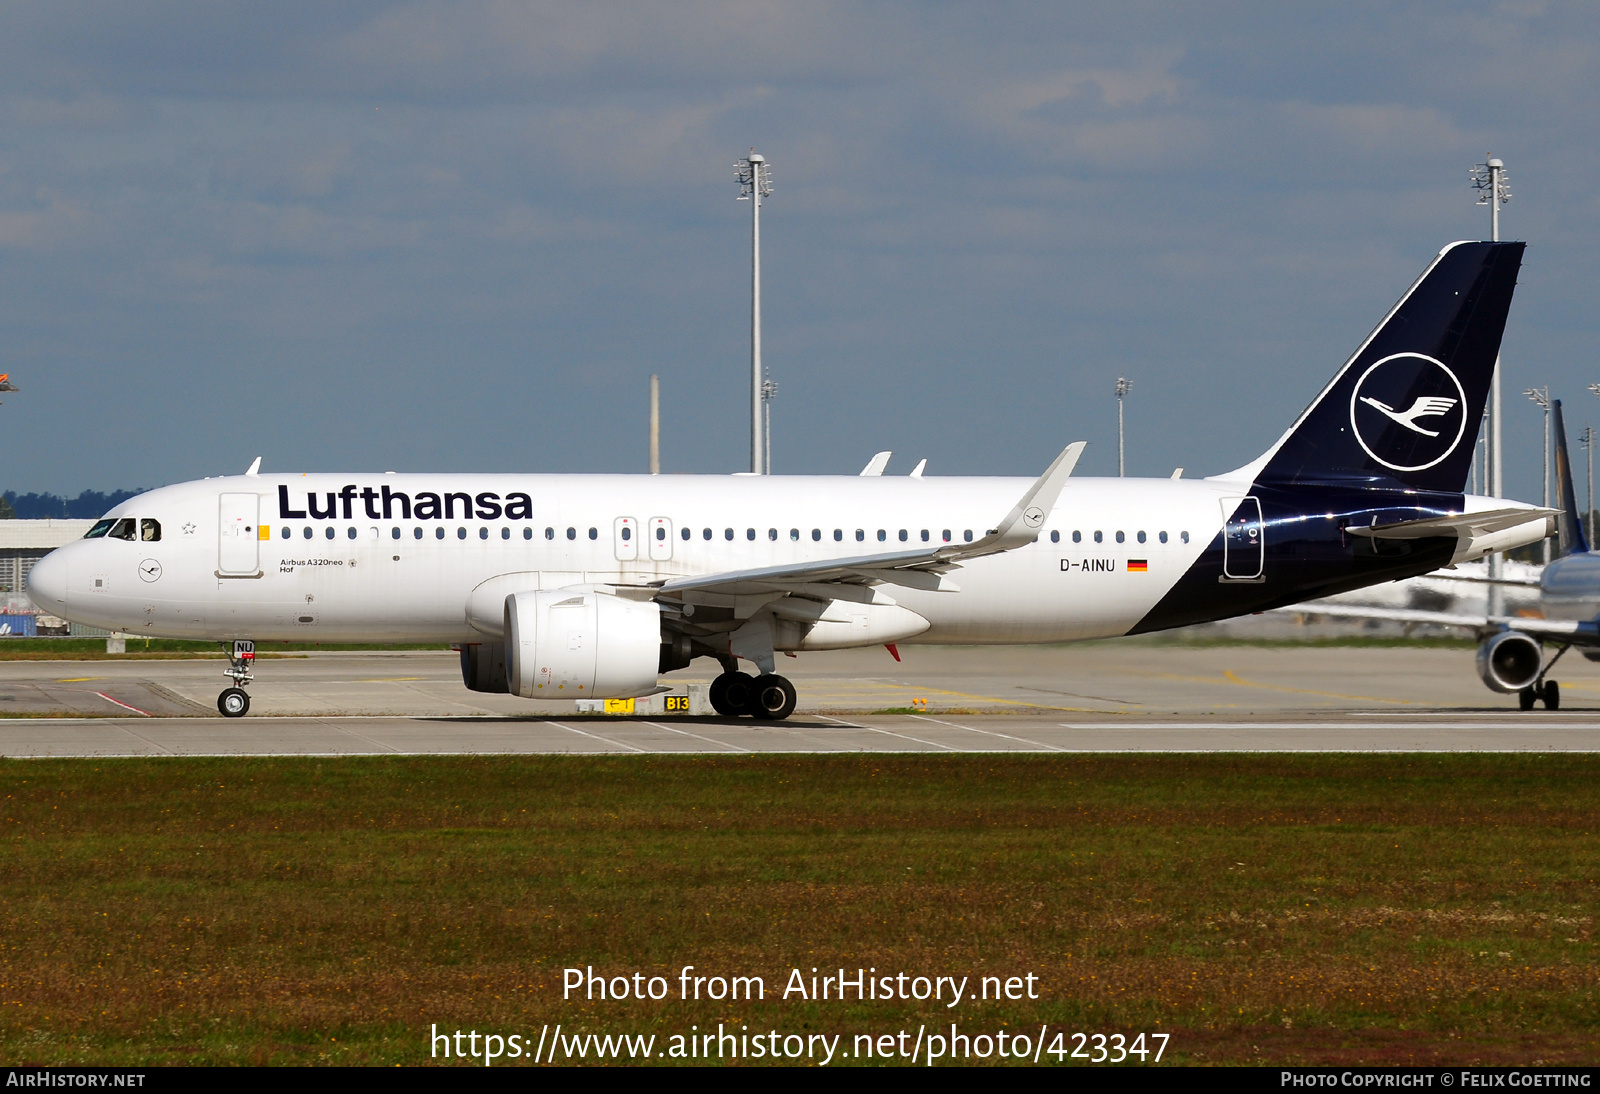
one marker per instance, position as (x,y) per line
(230,564)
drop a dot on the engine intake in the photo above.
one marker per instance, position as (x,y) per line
(579,644)
(1510,661)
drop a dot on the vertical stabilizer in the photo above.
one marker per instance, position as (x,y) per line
(1573,541)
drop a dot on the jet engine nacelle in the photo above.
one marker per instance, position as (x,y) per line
(1510,661)
(579,644)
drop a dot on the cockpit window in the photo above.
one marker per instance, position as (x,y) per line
(101,527)
(123,529)
(150,530)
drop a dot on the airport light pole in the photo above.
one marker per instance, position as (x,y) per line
(754,174)
(1489,179)
(769,392)
(655,424)
(1123,386)
(1541,398)
(1586,439)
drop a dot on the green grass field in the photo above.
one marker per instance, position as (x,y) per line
(1263,909)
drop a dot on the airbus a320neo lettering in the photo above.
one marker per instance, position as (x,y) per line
(592,586)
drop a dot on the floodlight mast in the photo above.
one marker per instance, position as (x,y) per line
(1587,439)
(754,174)
(1124,385)
(1541,398)
(1489,179)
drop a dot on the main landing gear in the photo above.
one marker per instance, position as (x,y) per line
(234,702)
(770,696)
(1542,690)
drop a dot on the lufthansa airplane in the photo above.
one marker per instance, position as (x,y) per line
(1511,659)
(591,586)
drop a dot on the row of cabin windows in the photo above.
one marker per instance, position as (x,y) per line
(594,533)
(1099,537)
(144,530)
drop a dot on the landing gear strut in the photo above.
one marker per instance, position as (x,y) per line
(1547,691)
(769,697)
(234,702)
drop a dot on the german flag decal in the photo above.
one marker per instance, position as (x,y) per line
(1138,565)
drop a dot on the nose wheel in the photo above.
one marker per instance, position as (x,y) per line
(769,697)
(234,702)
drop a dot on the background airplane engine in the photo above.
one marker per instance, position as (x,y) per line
(1510,661)
(571,644)
(483,667)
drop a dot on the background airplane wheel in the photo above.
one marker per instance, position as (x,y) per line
(234,703)
(731,694)
(1552,695)
(1526,698)
(774,698)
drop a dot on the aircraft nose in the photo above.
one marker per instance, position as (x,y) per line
(47,581)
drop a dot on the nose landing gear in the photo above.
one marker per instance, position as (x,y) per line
(234,702)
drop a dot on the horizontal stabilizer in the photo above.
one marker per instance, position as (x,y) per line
(1462,525)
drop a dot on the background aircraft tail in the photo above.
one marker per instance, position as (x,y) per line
(1405,409)
(1572,537)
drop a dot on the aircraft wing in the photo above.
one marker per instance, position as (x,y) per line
(922,568)
(1564,630)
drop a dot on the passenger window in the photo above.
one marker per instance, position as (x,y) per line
(327,533)
(838,535)
(627,533)
(123,529)
(750,534)
(816,535)
(1055,537)
(924,535)
(1121,537)
(967,535)
(101,527)
(683,533)
(1077,537)
(861,535)
(372,533)
(572,533)
(527,533)
(308,531)
(350,533)
(438,533)
(461,533)
(661,534)
(772,534)
(1141,537)
(1183,536)
(902,535)
(483,533)
(882,535)
(394,533)
(1162,536)
(706,534)
(288,533)
(416,533)
(594,533)
(794,533)
(149,531)
(1099,537)
(505,533)
(946,534)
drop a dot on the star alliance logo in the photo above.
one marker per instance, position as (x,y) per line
(1430,426)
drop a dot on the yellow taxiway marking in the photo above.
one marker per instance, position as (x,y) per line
(1005,702)
(389,680)
(79,679)
(1234,678)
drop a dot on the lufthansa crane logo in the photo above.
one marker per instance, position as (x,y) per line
(1408,411)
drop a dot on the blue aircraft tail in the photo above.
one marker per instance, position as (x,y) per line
(1405,409)
(1573,540)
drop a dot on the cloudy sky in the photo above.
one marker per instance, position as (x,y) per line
(451,236)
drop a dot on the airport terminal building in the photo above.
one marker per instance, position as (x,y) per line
(22,544)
